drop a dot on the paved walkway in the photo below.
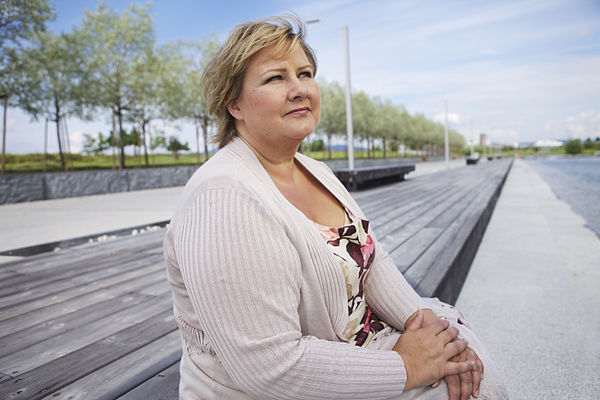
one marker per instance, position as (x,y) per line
(532,293)
(38,222)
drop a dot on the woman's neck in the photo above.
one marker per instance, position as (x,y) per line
(279,163)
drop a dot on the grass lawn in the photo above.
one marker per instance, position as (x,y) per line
(22,163)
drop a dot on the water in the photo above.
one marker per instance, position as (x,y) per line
(575,180)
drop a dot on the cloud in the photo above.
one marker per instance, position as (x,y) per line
(584,125)
(453,118)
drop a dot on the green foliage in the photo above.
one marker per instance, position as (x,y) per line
(175,146)
(116,49)
(573,146)
(317,145)
(158,140)
(588,144)
(20,20)
(96,145)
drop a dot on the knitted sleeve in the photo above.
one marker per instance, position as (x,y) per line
(243,277)
(388,293)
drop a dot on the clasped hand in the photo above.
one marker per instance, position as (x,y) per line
(433,352)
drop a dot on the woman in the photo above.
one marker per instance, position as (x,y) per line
(272,302)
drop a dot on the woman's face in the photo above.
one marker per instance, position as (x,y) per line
(280,101)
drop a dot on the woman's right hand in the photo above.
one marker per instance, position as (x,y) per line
(426,352)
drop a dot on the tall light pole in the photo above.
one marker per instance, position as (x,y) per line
(349,126)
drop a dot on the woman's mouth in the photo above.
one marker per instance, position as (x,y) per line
(299,111)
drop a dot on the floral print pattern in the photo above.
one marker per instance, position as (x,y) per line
(354,250)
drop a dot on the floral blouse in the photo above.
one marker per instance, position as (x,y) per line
(354,250)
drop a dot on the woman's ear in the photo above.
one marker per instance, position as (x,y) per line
(234,109)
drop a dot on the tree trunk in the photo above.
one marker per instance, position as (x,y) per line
(197,123)
(329,144)
(205,133)
(67,142)
(45,143)
(5,98)
(144,122)
(59,137)
(121,139)
(113,142)
(384,148)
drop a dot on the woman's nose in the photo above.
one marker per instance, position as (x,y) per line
(298,90)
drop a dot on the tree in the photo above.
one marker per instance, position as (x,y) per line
(145,93)
(333,111)
(19,20)
(183,97)
(175,146)
(386,121)
(317,145)
(363,113)
(51,85)
(573,146)
(112,45)
(96,144)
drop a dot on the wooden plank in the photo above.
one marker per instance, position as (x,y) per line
(142,243)
(4,378)
(162,386)
(400,228)
(54,347)
(24,319)
(125,373)
(450,257)
(11,342)
(51,377)
(414,247)
(357,177)
(12,307)
(87,270)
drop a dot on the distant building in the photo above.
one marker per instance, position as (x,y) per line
(544,143)
(548,143)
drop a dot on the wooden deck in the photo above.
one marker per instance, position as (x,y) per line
(95,321)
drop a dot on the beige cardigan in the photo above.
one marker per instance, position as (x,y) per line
(259,297)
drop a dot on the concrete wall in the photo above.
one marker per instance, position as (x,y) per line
(19,188)
(57,185)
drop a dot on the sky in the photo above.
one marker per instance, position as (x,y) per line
(520,71)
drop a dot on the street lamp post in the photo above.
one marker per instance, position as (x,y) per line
(349,126)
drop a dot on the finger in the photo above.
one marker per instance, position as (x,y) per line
(438,327)
(476,376)
(466,385)
(454,368)
(416,322)
(453,383)
(449,334)
(477,372)
(453,348)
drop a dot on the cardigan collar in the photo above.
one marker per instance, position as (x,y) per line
(241,149)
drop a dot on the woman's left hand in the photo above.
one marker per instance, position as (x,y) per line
(460,386)
(463,385)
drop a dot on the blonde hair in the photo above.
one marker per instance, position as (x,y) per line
(223,77)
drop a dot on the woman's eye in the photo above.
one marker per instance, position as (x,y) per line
(306,74)
(274,78)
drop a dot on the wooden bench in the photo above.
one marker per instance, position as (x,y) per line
(369,176)
(95,321)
